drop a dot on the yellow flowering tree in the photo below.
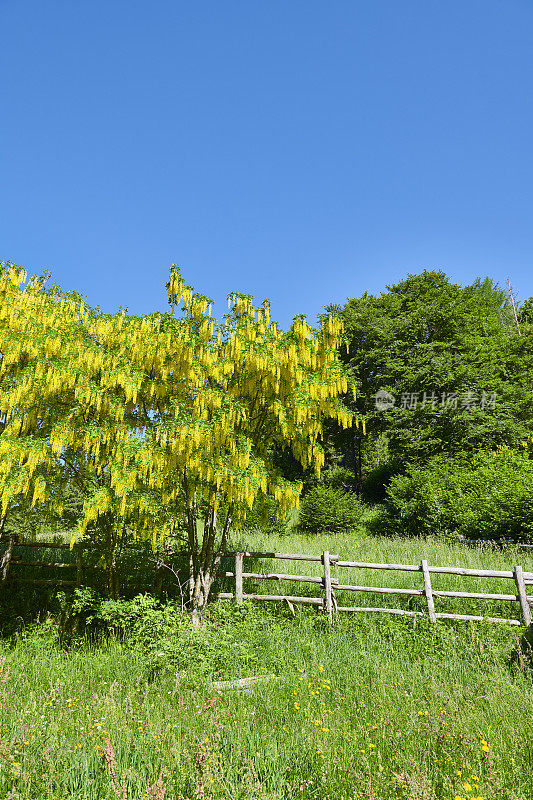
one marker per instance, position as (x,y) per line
(167,421)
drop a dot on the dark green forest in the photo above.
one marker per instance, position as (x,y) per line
(444,383)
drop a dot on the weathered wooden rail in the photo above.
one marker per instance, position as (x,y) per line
(330,586)
(327,602)
(9,559)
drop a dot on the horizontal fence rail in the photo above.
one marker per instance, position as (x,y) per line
(9,559)
(330,586)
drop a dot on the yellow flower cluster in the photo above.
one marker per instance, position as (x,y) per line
(175,410)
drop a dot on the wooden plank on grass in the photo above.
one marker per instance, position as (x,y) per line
(242,684)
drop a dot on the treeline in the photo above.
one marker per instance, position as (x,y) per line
(444,382)
(443,376)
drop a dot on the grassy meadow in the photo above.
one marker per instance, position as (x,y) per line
(378,707)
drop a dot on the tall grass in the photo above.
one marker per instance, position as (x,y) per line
(374,708)
(372,549)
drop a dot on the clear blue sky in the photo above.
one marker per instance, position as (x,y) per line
(300,151)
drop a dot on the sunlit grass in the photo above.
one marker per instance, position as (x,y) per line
(374,708)
(362,547)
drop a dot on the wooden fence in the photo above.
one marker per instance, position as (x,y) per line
(78,567)
(327,601)
(9,560)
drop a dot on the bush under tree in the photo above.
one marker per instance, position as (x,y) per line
(329,509)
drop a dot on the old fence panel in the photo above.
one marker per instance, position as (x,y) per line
(327,601)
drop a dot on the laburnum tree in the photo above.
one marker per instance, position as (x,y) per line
(166,422)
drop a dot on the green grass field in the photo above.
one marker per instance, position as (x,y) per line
(376,707)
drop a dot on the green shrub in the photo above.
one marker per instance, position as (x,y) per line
(332,475)
(377,479)
(485,495)
(236,640)
(326,508)
(338,478)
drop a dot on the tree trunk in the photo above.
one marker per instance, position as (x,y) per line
(204,561)
(6,559)
(202,586)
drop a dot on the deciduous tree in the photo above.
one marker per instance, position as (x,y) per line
(167,421)
(450,356)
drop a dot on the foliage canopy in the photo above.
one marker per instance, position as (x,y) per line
(164,421)
(453,360)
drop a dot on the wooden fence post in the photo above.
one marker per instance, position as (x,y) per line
(327,586)
(428,592)
(6,559)
(238,578)
(522,596)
